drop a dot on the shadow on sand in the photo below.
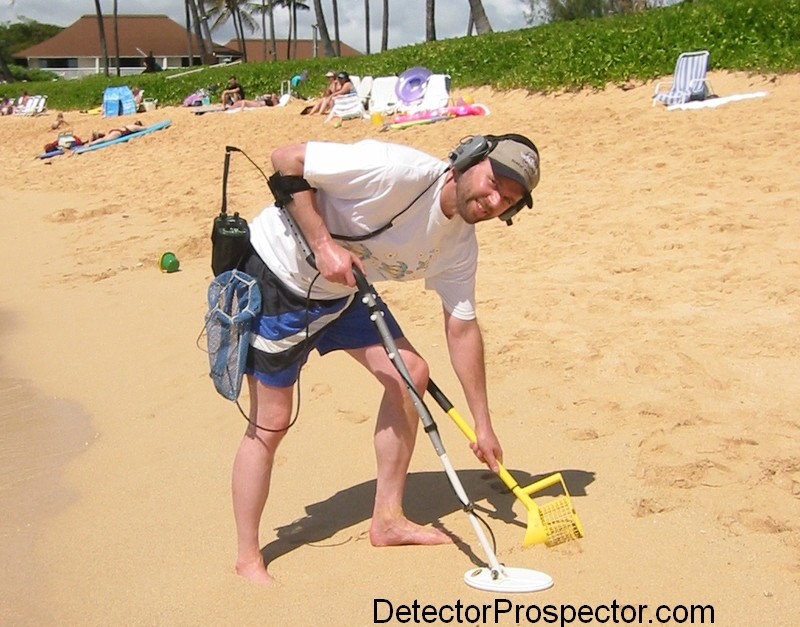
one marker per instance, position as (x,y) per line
(353,505)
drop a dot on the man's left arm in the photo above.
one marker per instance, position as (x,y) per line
(465,344)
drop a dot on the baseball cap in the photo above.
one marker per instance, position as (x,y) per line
(519,162)
(342,75)
(330,75)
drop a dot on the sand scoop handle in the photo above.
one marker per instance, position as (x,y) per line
(552,524)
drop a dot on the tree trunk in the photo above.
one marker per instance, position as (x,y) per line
(237,17)
(366,24)
(203,30)
(102,30)
(336,28)
(294,36)
(116,39)
(189,45)
(482,25)
(324,35)
(385,27)
(430,20)
(198,28)
(274,42)
(264,30)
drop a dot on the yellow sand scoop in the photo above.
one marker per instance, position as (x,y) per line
(555,522)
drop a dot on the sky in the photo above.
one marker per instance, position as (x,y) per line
(406,17)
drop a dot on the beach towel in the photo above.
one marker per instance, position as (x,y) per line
(712,103)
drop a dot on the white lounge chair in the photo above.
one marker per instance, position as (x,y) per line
(689,81)
(435,96)
(383,97)
(364,89)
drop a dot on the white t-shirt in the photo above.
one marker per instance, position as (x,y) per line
(360,187)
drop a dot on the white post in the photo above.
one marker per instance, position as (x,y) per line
(315,29)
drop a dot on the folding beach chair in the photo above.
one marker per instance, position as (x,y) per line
(347,107)
(688,83)
(27,107)
(40,106)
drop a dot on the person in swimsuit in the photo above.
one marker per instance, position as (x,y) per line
(115,133)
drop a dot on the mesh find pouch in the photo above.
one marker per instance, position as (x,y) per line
(234,300)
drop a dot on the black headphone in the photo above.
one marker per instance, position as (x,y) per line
(476,148)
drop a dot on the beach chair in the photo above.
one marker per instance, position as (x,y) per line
(688,83)
(363,89)
(40,106)
(25,107)
(435,96)
(347,107)
(383,97)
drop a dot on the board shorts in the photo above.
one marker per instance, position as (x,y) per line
(289,327)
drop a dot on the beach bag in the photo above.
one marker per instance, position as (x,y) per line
(230,242)
(234,301)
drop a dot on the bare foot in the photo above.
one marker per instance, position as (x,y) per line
(255,572)
(399,532)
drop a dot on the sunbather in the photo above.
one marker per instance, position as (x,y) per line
(267,100)
(115,133)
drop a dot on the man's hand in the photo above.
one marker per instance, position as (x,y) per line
(487,448)
(335,263)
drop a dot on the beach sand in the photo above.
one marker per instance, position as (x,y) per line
(642,338)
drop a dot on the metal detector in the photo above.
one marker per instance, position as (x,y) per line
(496,577)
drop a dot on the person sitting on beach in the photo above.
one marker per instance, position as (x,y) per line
(138,97)
(6,106)
(60,121)
(341,87)
(324,98)
(232,93)
(115,133)
(150,64)
(267,100)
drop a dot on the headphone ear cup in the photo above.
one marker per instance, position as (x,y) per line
(469,152)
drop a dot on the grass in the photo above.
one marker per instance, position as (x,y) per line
(761,36)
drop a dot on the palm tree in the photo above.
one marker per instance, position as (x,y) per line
(385,27)
(204,32)
(336,28)
(116,39)
(240,11)
(293,6)
(189,45)
(102,29)
(478,15)
(366,23)
(272,29)
(430,20)
(323,28)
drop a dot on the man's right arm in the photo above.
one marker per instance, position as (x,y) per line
(333,261)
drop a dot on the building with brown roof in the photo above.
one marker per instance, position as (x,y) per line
(76,50)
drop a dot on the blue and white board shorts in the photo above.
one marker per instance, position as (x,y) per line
(291,326)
